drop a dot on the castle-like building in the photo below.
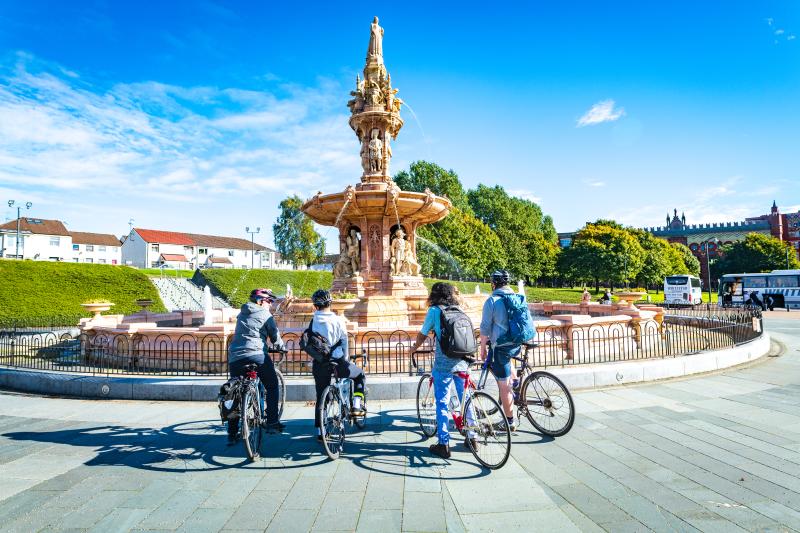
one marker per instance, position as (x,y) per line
(699,237)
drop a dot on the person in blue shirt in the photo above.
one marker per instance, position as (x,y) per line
(445,369)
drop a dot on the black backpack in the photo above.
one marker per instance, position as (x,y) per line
(316,345)
(458,335)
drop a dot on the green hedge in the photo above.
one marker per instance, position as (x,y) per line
(235,285)
(38,289)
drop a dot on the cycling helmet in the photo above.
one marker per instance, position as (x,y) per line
(262,294)
(501,277)
(321,298)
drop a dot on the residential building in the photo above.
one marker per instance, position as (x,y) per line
(147,248)
(97,248)
(49,240)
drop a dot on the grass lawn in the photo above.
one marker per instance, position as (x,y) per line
(39,289)
(235,285)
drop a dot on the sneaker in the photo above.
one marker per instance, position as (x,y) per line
(359,406)
(273,427)
(440,450)
(471,444)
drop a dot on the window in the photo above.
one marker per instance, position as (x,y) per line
(695,282)
(89,260)
(101,261)
(783,281)
(55,259)
(90,248)
(758,282)
(154,264)
(113,261)
(202,251)
(677,280)
(230,253)
(76,260)
(76,247)
(154,247)
(55,241)
(188,250)
(101,248)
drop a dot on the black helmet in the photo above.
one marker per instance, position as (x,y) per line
(321,298)
(501,277)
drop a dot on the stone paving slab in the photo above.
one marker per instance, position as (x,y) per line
(715,453)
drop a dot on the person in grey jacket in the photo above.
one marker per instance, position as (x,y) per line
(254,325)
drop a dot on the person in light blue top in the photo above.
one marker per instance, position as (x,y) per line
(445,369)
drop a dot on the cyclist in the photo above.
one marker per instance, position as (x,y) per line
(445,369)
(494,323)
(331,326)
(254,325)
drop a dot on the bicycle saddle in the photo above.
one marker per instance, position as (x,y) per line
(251,367)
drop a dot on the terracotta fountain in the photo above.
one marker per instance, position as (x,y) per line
(377,269)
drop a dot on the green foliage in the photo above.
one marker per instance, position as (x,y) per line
(235,285)
(603,252)
(460,245)
(38,289)
(756,253)
(661,259)
(690,262)
(295,236)
(528,237)
(168,272)
(421,175)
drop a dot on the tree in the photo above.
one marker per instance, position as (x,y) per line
(527,235)
(691,263)
(756,253)
(422,175)
(295,236)
(660,259)
(603,252)
(460,245)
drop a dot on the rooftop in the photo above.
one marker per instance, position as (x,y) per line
(196,239)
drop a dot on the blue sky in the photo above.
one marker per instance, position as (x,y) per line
(201,116)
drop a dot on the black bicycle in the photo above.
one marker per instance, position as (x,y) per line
(249,397)
(335,411)
(539,396)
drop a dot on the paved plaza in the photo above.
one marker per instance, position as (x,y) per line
(715,453)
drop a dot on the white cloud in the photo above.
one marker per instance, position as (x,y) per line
(779,32)
(769,21)
(601,112)
(525,195)
(791,37)
(593,183)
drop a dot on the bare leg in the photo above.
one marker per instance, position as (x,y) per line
(506,396)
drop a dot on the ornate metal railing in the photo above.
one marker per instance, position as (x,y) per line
(54,345)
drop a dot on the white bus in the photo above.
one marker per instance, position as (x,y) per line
(684,289)
(780,286)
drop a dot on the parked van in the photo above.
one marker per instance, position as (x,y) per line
(683,289)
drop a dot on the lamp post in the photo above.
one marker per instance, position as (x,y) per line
(252,245)
(708,264)
(19,207)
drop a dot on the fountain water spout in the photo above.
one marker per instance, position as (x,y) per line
(520,287)
(207,308)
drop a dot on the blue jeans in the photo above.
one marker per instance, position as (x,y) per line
(441,392)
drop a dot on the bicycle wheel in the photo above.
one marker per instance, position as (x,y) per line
(331,422)
(490,430)
(251,425)
(281,392)
(548,404)
(426,405)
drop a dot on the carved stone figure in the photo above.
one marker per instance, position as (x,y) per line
(374,95)
(410,265)
(375,152)
(397,252)
(374,234)
(342,267)
(375,48)
(365,155)
(354,251)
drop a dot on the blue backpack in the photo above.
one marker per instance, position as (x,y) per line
(520,325)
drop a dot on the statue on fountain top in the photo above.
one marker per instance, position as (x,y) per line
(375,48)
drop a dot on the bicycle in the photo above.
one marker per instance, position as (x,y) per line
(541,397)
(251,406)
(491,444)
(334,411)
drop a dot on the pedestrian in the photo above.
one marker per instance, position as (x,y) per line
(586,297)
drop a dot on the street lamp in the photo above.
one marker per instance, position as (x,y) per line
(19,207)
(252,245)
(708,264)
